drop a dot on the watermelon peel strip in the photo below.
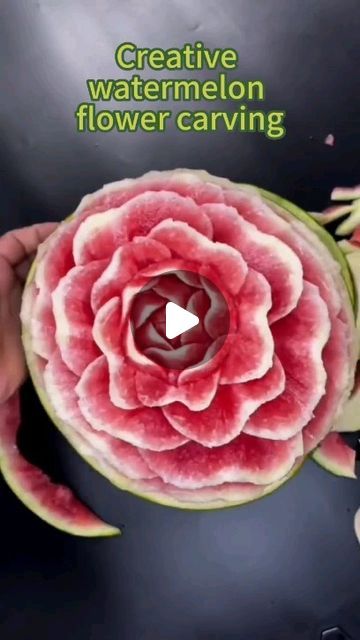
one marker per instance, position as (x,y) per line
(53,503)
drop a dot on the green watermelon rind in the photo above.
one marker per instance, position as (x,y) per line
(112,474)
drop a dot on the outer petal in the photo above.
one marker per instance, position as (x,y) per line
(147,428)
(101,234)
(228,493)
(264,253)
(55,257)
(60,386)
(42,323)
(185,242)
(252,347)
(224,419)
(124,265)
(336,361)
(122,386)
(180,181)
(313,255)
(74,317)
(299,339)
(245,459)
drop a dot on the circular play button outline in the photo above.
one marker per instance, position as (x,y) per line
(186,320)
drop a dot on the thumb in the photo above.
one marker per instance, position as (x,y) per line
(12,359)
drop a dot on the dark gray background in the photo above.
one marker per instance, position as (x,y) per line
(281,569)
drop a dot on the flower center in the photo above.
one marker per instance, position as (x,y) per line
(192,292)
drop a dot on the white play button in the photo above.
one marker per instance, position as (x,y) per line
(178,320)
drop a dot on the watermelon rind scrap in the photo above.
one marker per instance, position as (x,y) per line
(53,503)
(336,456)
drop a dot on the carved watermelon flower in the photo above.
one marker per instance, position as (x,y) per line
(216,417)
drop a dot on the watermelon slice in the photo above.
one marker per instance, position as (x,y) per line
(336,456)
(192,423)
(54,503)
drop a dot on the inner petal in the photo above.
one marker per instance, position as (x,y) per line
(125,263)
(252,346)
(197,396)
(185,242)
(231,407)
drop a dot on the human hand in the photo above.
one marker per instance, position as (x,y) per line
(17,250)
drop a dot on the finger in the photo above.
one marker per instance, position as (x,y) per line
(12,362)
(23,268)
(19,244)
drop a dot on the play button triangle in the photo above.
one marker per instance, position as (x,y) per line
(178,320)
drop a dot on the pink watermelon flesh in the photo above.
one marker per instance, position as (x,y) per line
(74,317)
(266,254)
(309,327)
(336,456)
(227,428)
(54,503)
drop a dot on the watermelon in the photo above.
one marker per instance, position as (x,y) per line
(54,503)
(218,417)
(336,456)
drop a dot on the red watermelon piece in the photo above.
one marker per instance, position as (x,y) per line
(54,503)
(336,456)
